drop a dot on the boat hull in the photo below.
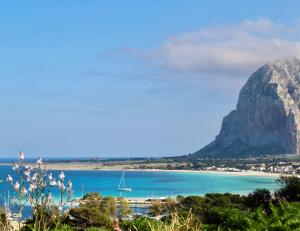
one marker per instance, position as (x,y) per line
(124,189)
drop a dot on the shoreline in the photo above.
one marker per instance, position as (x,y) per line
(73,167)
(94,167)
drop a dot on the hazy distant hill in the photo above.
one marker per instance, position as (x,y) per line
(267,117)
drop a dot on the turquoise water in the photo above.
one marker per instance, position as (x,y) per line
(157,184)
(162,184)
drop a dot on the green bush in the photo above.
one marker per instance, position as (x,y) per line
(88,217)
(142,224)
(64,228)
(97,229)
(290,188)
(228,219)
(259,198)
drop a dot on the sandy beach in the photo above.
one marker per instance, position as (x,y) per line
(99,167)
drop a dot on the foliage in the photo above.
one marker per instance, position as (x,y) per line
(43,218)
(156,208)
(178,222)
(285,216)
(169,205)
(92,199)
(175,222)
(290,188)
(214,211)
(142,224)
(259,198)
(94,211)
(97,229)
(228,219)
(125,210)
(3,220)
(84,217)
(33,184)
(108,206)
(63,228)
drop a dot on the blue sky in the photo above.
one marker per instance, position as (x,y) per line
(130,78)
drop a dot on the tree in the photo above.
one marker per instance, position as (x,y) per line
(108,206)
(258,198)
(195,204)
(290,188)
(156,208)
(284,216)
(84,217)
(228,219)
(217,200)
(125,210)
(169,205)
(91,200)
(179,199)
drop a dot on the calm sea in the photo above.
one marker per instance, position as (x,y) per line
(156,184)
(146,184)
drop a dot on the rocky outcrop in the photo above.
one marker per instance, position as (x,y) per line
(267,117)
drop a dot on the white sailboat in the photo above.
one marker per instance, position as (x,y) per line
(121,186)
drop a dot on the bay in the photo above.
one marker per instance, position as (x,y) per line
(152,184)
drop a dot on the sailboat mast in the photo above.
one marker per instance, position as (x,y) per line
(122,184)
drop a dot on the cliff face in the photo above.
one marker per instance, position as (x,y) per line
(267,117)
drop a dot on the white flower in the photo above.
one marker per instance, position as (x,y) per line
(60,185)
(21,156)
(39,161)
(27,172)
(9,179)
(24,191)
(53,182)
(17,186)
(31,187)
(69,186)
(50,176)
(61,175)
(15,167)
(35,176)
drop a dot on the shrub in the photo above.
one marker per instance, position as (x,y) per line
(84,217)
(3,220)
(259,198)
(290,188)
(142,224)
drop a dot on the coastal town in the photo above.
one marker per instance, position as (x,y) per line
(276,165)
(150,115)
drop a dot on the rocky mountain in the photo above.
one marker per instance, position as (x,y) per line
(267,117)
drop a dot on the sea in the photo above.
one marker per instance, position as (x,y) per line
(153,184)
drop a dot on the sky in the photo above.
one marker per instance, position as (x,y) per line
(130,78)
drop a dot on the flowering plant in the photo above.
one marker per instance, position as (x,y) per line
(34,185)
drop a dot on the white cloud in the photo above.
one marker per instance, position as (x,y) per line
(232,50)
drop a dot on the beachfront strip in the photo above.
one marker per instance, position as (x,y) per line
(33,186)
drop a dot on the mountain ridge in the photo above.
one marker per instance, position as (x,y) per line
(267,116)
